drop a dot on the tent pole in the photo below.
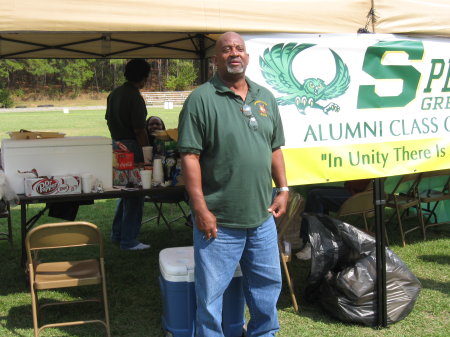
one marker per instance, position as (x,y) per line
(379,201)
(203,60)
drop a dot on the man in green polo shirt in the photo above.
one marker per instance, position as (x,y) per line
(230,134)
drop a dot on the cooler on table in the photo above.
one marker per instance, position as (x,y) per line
(57,157)
(178,294)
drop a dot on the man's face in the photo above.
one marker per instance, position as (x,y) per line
(231,55)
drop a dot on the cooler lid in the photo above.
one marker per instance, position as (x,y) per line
(53,142)
(177,261)
(177,264)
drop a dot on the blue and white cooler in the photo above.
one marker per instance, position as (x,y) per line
(177,283)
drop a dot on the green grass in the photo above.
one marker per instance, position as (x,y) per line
(132,277)
(135,302)
(75,123)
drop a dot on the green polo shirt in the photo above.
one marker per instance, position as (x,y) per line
(125,112)
(235,160)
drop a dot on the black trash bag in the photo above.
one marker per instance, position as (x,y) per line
(343,274)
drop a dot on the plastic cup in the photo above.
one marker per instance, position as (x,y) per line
(87,179)
(146,178)
(148,152)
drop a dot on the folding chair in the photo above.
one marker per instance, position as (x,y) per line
(291,219)
(358,204)
(5,212)
(434,195)
(65,273)
(402,199)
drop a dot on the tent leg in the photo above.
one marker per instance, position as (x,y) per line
(379,201)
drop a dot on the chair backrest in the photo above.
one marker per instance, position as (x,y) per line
(359,203)
(63,235)
(407,184)
(444,174)
(434,183)
(288,225)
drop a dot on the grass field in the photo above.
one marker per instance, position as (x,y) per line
(135,301)
(75,123)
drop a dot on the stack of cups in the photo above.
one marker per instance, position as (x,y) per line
(87,181)
(158,173)
(146,178)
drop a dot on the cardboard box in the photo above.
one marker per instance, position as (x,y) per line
(57,157)
(53,185)
(123,177)
(23,134)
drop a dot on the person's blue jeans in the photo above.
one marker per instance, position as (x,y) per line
(128,217)
(127,221)
(256,250)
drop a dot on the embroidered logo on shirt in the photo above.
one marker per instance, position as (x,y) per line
(262,108)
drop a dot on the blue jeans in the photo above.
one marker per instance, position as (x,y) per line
(127,221)
(128,217)
(256,249)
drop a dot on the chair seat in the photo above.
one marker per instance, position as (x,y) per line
(67,274)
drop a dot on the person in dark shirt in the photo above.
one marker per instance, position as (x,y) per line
(125,115)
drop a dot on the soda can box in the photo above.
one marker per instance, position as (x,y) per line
(123,160)
(123,177)
(52,186)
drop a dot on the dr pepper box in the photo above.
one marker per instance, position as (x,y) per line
(177,284)
(52,185)
(57,157)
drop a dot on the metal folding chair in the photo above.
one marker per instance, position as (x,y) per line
(292,218)
(433,196)
(404,198)
(65,272)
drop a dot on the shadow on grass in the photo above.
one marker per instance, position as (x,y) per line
(441,259)
(20,318)
(443,287)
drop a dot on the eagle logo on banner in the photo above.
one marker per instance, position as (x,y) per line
(276,67)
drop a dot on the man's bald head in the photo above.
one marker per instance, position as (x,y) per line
(231,56)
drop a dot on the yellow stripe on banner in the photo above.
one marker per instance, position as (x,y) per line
(339,163)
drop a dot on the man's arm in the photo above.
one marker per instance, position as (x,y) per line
(204,219)
(141,137)
(279,204)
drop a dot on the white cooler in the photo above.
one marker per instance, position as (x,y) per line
(178,295)
(57,157)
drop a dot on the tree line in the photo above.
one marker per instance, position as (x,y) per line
(68,78)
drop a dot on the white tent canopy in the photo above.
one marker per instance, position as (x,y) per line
(182,29)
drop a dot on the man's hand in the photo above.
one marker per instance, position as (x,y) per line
(279,204)
(206,223)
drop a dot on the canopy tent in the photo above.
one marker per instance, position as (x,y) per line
(182,29)
(186,29)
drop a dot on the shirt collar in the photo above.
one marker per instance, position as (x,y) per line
(218,84)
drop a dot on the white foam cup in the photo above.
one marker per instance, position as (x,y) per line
(87,179)
(146,178)
(158,173)
(148,152)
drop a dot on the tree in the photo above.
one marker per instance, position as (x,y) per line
(182,75)
(75,73)
(8,67)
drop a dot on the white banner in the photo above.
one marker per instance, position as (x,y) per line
(357,106)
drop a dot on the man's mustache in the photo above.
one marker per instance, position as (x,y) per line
(234,59)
